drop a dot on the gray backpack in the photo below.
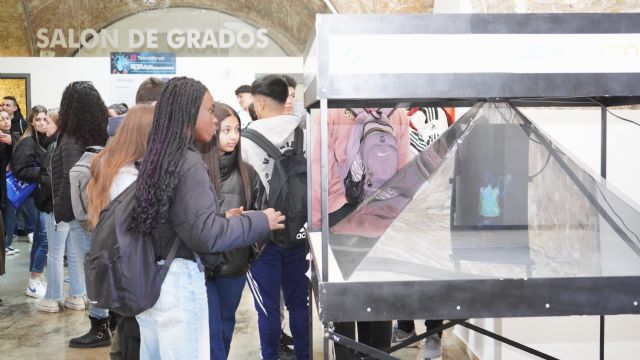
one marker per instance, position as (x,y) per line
(79,177)
(122,271)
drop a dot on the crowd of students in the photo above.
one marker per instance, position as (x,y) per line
(197,181)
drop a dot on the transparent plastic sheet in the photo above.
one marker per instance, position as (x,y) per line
(493,197)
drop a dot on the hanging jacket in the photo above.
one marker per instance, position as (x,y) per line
(27,165)
(236,262)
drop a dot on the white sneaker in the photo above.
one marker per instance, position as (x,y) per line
(47,305)
(432,348)
(9,251)
(36,289)
(15,251)
(76,302)
(30,237)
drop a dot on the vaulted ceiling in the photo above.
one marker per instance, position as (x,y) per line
(289,22)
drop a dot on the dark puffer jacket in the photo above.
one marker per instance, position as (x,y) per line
(235,263)
(27,164)
(68,151)
(195,218)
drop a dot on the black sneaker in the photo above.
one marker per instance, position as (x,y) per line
(286,353)
(285,339)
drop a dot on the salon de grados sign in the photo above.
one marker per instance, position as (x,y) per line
(150,38)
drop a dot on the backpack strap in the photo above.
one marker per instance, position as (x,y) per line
(298,141)
(172,252)
(262,142)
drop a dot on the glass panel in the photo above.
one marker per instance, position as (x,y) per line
(493,197)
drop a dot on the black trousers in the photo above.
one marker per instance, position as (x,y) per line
(376,334)
(409,326)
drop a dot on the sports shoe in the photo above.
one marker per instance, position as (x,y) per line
(286,353)
(9,251)
(47,305)
(285,339)
(30,237)
(400,335)
(76,302)
(15,251)
(432,348)
(36,288)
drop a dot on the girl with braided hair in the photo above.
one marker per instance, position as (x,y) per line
(176,201)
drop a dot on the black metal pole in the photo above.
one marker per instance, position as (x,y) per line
(325,341)
(603,142)
(601,337)
(603,173)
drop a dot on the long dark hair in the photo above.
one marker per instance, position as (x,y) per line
(172,132)
(211,155)
(83,114)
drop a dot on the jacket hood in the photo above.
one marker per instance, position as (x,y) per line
(113,124)
(277,129)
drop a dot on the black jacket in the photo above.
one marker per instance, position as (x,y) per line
(195,218)
(27,165)
(18,124)
(66,154)
(7,152)
(235,263)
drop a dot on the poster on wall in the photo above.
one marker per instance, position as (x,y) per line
(144,63)
(129,69)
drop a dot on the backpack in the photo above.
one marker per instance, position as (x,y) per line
(121,270)
(287,188)
(372,154)
(79,177)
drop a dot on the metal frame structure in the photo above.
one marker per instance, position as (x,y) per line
(462,299)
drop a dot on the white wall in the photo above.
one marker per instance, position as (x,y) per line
(49,76)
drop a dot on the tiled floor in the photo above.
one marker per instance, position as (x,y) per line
(26,333)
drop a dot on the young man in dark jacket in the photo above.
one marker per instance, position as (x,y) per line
(18,123)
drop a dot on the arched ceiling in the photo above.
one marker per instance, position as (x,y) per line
(289,22)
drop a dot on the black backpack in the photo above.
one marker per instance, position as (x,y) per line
(287,188)
(121,269)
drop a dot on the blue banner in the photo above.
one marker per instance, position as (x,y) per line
(143,63)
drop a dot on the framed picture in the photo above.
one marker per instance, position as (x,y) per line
(18,86)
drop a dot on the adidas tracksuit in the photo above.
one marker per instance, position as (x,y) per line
(278,267)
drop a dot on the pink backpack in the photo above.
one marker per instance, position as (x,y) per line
(372,154)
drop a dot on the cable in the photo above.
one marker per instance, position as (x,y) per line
(609,111)
(613,211)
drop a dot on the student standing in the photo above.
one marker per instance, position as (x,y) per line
(176,201)
(239,188)
(27,164)
(279,265)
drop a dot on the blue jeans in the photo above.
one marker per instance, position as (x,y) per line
(223,295)
(38,256)
(80,243)
(176,327)
(58,236)
(281,268)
